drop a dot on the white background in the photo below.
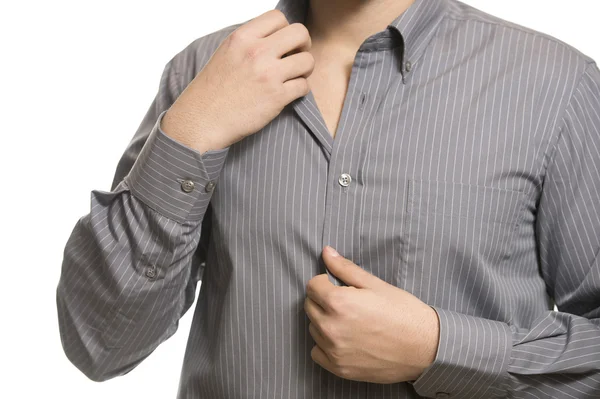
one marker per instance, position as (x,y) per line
(76,78)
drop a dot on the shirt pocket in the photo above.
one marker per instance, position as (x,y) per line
(456,236)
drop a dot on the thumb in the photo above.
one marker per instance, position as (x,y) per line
(346,270)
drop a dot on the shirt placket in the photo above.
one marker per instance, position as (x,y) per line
(343,193)
(368,85)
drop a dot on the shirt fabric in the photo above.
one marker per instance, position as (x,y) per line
(465,170)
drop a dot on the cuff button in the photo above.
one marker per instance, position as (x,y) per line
(151,272)
(187,186)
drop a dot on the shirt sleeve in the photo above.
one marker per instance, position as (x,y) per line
(558,355)
(131,265)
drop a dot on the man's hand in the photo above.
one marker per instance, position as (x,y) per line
(370,330)
(255,72)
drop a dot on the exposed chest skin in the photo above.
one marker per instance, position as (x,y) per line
(329,84)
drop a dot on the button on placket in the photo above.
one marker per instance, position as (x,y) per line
(209,186)
(151,272)
(344,195)
(345,179)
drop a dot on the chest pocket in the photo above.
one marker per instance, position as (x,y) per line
(456,236)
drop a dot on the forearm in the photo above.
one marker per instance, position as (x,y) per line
(121,290)
(128,262)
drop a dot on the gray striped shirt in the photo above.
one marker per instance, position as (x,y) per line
(471,147)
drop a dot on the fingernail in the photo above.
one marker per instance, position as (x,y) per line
(332,251)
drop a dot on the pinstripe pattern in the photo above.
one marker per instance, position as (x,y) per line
(475,186)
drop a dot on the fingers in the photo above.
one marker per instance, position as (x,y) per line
(314,312)
(295,88)
(296,65)
(349,272)
(319,339)
(318,288)
(320,358)
(264,25)
(292,38)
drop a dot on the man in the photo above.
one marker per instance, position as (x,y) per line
(452,160)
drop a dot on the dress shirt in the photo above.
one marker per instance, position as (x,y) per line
(464,170)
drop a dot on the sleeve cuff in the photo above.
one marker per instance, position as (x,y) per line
(173,179)
(471,361)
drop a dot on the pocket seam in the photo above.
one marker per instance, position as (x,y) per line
(463,187)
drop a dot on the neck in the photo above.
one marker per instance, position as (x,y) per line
(348,23)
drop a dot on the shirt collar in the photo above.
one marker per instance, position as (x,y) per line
(416,26)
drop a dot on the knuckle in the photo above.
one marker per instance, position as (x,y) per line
(313,353)
(277,90)
(337,300)
(344,372)
(306,305)
(310,60)
(238,36)
(279,14)
(253,52)
(263,76)
(341,303)
(336,356)
(329,332)
(304,88)
(310,286)
(301,30)
(330,298)
(313,330)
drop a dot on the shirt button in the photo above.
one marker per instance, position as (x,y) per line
(345,179)
(408,66)
(209,186)
(151,272)
(187,186)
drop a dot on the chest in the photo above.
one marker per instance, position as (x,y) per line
(329,86)
(420,185)
(329,83)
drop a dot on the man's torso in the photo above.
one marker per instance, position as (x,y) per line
(430,183)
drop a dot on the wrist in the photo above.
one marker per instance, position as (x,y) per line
(430,338)
(188,130)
